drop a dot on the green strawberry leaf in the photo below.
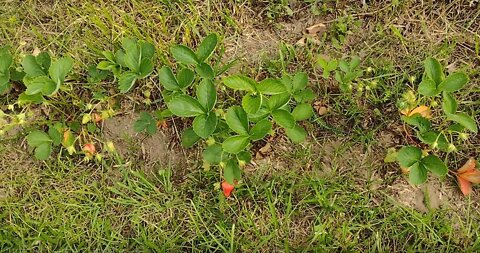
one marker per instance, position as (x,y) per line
(235,144)
(185,106)
(435,165)
(407,156)
(207,46)
(418,173)
(260,130)
(237,120)
(204,125)
(207,94)
(184,55)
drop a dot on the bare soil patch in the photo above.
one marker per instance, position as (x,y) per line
(155,150)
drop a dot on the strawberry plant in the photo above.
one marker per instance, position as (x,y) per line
(44,77)
(440,134)
(133,62)
(327,65)
(227,127)
(418,165)
(192,93)
(42,142)
(346,71)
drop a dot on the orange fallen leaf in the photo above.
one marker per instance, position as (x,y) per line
(465,186)
(227,188)
(468,175)
(468,166)
(405,111)
(423,110)
(471,176)
(68,138)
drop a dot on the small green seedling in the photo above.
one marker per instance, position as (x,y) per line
(44,77)
(348,72)
(96,75)
(146,122)
(42,142)
(133,62)
(327,66)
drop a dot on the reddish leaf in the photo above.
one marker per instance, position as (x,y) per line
(465,186)
(227,188)
(471,176)
(468,166)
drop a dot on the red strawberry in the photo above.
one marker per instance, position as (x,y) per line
(227,188)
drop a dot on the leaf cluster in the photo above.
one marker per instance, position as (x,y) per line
(134,61)
(439,133)
(192,93)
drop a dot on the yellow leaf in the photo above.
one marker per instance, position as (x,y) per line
(422,110)
(405,111)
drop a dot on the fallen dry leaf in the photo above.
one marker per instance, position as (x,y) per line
(321,109)
(465,186)
(471,176)
(468,166)
(468,175)
(36,51)
(96,117)
(317,28)
(266,149)
(423,110)
(301,41)
(312,34)
(263,151)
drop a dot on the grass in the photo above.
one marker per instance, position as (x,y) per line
(69,208)
(332,193)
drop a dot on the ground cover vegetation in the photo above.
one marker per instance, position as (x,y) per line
(239,126)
